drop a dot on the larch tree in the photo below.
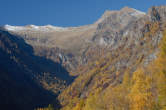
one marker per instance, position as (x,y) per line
(141,97)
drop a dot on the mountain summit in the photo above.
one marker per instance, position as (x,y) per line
(107,13)
(125,10)
(116,63)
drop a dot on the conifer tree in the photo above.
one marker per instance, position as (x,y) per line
(141,97)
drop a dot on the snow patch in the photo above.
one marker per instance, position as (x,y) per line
(137,12)
(35,28)
(126,33)
(13,28)
(102,41)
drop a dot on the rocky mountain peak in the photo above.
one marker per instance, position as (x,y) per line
(132,11)
(157,13)
(124,11)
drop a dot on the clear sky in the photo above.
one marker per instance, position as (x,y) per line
(64,12)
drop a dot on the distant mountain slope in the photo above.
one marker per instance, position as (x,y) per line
(24,76)
(74,42)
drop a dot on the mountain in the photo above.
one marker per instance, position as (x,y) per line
(130,70)
(46,37)
(25,76)
(113,64)
(125,44)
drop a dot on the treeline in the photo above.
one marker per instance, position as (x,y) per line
(50,107)
(145,89)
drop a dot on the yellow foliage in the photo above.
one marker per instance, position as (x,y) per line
(141,97)
(161,73)
(153,28)
(79,105)
(145,89)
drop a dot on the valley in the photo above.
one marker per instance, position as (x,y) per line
(116,63)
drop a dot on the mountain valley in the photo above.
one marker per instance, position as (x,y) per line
(117,63)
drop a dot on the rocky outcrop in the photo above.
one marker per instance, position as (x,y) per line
(157,13)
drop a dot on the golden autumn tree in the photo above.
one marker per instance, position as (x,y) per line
(77,107)
(141,97)
(80,105)
(161,73)
(95,101)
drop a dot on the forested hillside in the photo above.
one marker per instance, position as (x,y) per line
(100,83)
(117,63)
(144,89)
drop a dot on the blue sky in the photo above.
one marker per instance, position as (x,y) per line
(64,12)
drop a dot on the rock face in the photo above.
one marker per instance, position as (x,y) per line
(116,25)
(157,13)
(101,52)
(75,41)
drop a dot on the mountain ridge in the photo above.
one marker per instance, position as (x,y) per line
(90,59)
(105,14)
(81,37)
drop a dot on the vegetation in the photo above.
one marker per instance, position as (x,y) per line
(50,107)
(143,89)
(104,87)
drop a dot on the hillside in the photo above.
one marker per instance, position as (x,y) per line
(73,43)
(26,78)
(117,63)
(125,54)
(123,77)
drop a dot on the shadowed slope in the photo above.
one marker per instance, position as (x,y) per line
(21,74)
